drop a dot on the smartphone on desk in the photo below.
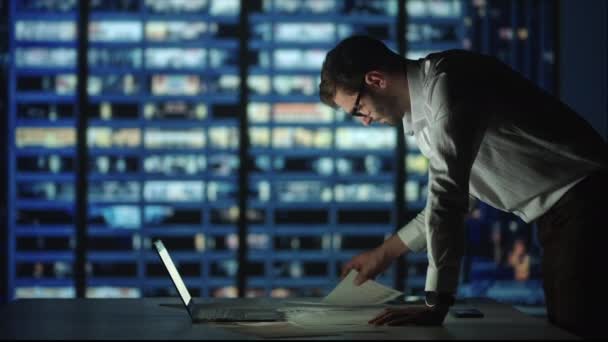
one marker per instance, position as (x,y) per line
(466,313)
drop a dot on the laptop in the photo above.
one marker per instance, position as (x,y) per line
(212,313)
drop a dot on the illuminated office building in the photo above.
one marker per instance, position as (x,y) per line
(163,144)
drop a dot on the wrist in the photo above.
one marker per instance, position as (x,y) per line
(393,247)
(439,301)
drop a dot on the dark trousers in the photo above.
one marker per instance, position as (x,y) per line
(573,238)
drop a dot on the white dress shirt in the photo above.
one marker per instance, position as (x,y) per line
(491,135)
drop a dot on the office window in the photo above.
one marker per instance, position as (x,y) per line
(158,91)
(42,136)
(156,155)
(163,139)
(298,146)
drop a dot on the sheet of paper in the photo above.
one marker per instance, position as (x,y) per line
(323,317)
(371,292)
(322,304)
(288,329)
(315,302)
(279,330)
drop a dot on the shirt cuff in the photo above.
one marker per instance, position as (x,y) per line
(444,281)
(413,234)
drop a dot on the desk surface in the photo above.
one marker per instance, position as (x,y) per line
(147,319)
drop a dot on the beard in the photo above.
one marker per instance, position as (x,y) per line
(386,108)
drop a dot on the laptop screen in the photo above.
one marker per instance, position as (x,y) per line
(177,280)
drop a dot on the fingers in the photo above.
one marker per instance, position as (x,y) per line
(393,317)
(385,317)
(379,318)
(400,321)
(361,278)
(349,266)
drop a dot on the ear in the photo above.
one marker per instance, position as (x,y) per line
(376,79)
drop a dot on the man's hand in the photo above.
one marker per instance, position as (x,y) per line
(414,315)
(375,261)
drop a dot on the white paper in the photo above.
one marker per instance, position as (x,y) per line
(321,304)
(346,306)
(314,302)
(277,330)
(313,317)
(368,293)
(291,330)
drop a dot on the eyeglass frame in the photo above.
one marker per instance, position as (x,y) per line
(355,112)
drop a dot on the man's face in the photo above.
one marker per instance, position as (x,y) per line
(376,103)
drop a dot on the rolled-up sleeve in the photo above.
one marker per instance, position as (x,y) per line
(455,133)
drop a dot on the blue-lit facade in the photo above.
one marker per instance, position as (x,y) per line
(329,181)
(163,144)
(40,230)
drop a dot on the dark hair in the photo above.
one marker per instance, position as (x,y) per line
(348,62)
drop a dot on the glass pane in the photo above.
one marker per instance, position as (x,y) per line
(41,117)
(312,161)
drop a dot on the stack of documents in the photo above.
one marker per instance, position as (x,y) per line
(368,293)
(346,310)
(346,305)
(331,316)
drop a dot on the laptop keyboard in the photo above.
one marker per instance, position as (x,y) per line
(220,314)
(235,315)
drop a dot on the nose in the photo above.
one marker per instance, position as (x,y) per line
(366,121)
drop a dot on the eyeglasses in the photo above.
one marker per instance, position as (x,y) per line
(355,110)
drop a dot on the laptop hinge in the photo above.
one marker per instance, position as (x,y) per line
(190,308)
